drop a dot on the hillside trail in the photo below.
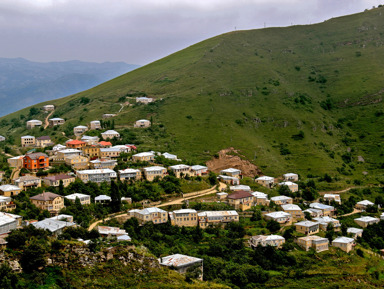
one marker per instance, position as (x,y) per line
(337,192)
(355,211)
(173,202)
(46,122)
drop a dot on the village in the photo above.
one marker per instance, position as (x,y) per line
(88,159)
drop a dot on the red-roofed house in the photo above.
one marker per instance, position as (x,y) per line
(76,144)
(241,200)
(105,144)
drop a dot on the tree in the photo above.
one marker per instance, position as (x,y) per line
(344,229)
(285,191)
(288,233)
(61,188)
(115,197)
(273,226)
(310,194)
(379,201)
(16,239)
(33,111)
(212,178)
(256,216)
(8,279)
(33,257)
(197,235)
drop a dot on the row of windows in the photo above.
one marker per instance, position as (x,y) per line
(186,219)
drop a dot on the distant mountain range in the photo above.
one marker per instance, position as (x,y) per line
(24,83)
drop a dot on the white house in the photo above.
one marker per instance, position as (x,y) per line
(229,180)
(231,172)
(84,199)
(280,217)
(271,240)
(260,198)
(49,107)
(170,156)
(240,188)
(142,123)
(344,243)
(54,226)
(180,170)
(181,263)
(282,200)
(292,186)
(265,181)
(95,124)
(365,221)
(355,232)
(129,174)
(199,170)
(332,197)
(102,199)
(97,175)
(33,123)
(143,157)
(80,129)
(144,99)
(8,222)
(109,134)
(363,205)
(291,177)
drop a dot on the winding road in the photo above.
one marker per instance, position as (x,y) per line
(47,118)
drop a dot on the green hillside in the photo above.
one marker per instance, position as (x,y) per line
(302,98)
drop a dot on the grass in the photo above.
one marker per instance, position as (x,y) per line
(253,90)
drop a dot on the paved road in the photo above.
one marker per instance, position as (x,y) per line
(178,201)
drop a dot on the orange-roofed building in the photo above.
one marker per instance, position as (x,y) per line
(106,144)
(76,144)
(35,161)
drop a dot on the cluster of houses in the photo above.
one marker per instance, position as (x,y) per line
(93,125)
(322,216)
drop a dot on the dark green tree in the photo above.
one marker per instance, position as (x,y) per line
(61,188)
(8,279)
(115,197)
(273,226)
(16,239)
(212,178)
(33,257)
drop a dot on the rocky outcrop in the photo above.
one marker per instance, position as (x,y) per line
(77,255)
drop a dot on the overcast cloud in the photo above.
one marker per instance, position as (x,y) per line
(141,31)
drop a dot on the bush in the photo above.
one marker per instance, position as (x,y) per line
(360,253)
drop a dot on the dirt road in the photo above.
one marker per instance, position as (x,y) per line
(355,211)
(178,201)
(337,192)
(46,122)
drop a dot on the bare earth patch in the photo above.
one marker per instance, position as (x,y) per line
(231,158)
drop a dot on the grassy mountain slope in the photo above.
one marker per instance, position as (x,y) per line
(301,98)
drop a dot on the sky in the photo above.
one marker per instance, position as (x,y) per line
(142,31)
